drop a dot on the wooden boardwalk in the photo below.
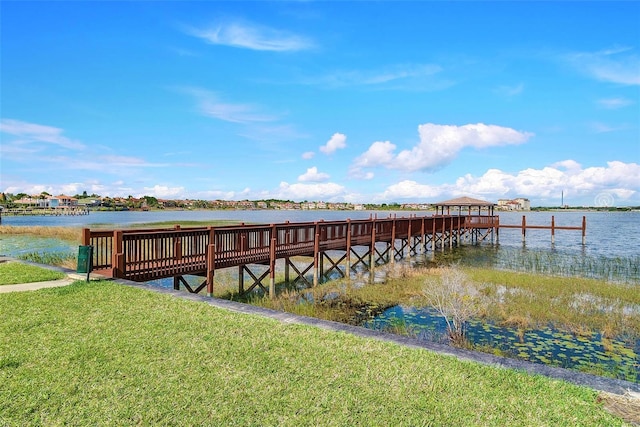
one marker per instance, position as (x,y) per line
(333,246)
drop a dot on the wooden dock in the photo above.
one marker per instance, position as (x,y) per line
(331,246)
(552,227)
(63,211)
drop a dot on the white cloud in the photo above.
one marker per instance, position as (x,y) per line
(163,192)
(613,65)
(251,36)
(569,165)
(411,190)
(31,132)
(380,153)
(438,146)
(299,191)
(308,155)
(312,175)
(614,103)
(622,180)
(337,141)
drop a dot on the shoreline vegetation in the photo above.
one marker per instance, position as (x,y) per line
(21,204)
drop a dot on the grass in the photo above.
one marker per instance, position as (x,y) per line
(100,353)
(15,272)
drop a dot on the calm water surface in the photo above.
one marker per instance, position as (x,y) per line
(609,234)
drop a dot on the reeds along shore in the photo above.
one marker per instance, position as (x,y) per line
(43,211)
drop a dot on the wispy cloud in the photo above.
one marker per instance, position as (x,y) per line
(210,105)
(614,103)
(31,132)
(510,91)
(600,127)
(618,65)
(410,76)
(252,36)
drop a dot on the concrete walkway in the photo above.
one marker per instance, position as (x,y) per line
(595,382)
(33,286)
(36,285)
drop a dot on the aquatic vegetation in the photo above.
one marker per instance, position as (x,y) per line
(60,259)
(623,269)
(456,298)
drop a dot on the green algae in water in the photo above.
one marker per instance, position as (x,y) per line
(546,345)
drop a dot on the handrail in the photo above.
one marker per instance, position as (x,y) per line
(141,254)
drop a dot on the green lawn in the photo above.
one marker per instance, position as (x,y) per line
(101,353)
(16,272)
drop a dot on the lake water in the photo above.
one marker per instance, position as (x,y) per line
(609,234)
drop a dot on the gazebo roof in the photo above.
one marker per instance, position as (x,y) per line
(465,201)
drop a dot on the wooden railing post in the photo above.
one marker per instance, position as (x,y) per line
(409,238)
(444,232)
(524,228)
(211,267)
(316,252)
(584,230)
(177,245)
(392,252)
(211,261)
(348,254)
(553,229)
(117,257)
(86,237)
(372,252)
(272,262)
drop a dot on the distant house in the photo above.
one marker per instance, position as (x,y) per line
(29,201)
(519,204)
(62,201)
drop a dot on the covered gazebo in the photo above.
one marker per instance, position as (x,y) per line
(476,219)
(465,206)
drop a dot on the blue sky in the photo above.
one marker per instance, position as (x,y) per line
(374,102)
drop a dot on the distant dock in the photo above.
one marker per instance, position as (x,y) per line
(43,211)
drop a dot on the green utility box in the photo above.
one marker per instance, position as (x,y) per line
(85,259)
